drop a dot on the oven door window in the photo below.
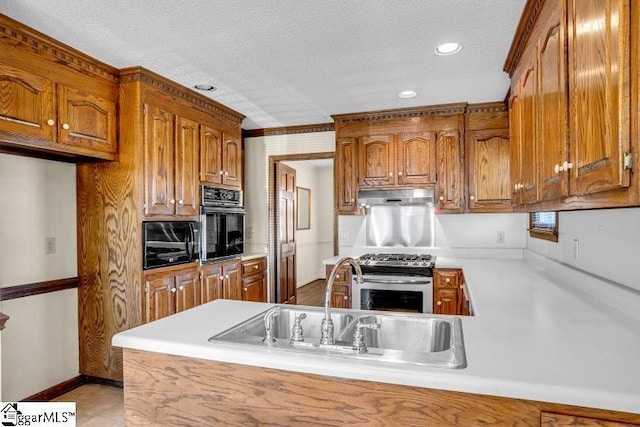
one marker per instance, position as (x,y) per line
(396,300)
(224,234)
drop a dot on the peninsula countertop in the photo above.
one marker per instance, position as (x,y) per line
(535,336)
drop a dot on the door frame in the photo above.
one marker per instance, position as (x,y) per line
(274,240)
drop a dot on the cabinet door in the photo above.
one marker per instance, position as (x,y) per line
(553,144)
(186,167)
(341,296)
(445,301)
(233,280)
(86,120)
(210,155)
(211,283)
(377,161)
(489,187)
(599,94)
(158,162)
(26,106)
(188,291)
(449,170)
(254,288)
(231,160)
(160,299)
(346,174)
(528,137)
(515,149)
(416,154)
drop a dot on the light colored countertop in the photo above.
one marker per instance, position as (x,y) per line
(252,255)
(535,336)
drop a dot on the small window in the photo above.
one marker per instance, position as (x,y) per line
(544,225)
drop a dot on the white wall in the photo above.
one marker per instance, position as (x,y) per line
(311,244)
(608,243)
(41,337)
(465,235)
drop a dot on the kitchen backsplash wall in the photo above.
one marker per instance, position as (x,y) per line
(465,235)
(42,332)
(603,242)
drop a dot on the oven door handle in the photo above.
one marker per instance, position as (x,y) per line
(397,282)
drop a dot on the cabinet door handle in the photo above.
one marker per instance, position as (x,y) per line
(447,280)
(558,168)
(226,174)
(390,173)
(226,276)
(51,122)
(399,173)
(566,166)
(181,288)
(173,290)
(353,200)
(65,126)
(244,289)
(441,198)
(255,266)
(346,297)
(172,201)
(181,202)
(472,197)
(337,276)
(439,303)
(221,173)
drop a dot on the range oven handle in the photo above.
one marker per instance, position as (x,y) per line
(397,282)
(220,209)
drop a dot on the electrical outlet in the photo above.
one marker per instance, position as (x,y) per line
(576,245)
(501,236)
(344,237)
(50,245)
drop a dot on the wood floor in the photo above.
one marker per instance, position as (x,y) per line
(312,293)
(96,405)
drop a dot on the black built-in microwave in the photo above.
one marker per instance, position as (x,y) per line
(170,242)
(222,224)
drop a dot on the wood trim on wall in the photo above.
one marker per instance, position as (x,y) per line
(523,32)
(288,130)
(30,289)
(273,236)
(57,390)
(401,113)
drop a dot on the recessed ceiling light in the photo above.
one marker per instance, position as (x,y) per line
(406,94)
(448,49)
(205,87)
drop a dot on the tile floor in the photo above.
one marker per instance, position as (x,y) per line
(96,405)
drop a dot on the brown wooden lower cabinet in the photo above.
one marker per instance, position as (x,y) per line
(341,291)
(449,292)
(254,281)
(170,292)
(168,390)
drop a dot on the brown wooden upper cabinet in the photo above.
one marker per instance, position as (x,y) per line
(221,158)
(171,162)
(36,111)
(571,105)
(450,187)
(402,159)
(346,175)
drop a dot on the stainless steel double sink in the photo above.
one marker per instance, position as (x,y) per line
(425,340)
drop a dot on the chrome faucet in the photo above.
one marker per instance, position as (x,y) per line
(327,323)
(268,324)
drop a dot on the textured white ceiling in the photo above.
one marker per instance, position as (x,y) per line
(295,62)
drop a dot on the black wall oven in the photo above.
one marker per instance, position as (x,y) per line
(169,242)
(222,224)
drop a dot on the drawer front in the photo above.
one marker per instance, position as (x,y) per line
(254,266)
(343,275)
(446,278)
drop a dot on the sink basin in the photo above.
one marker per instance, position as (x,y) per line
(419,339)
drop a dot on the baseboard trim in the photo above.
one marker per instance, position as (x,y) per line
(102,381)
(57,390)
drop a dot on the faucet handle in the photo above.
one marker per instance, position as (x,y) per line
(358,335)
(268,324)
(297,333)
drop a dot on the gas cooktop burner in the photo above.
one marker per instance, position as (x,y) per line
(400,260)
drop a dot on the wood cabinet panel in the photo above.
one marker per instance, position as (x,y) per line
(552,94)
(26,105)
(416,158)
(86,120)
(210,155)
(186,167)
(528,138)
(231,160)
(254,288)
(488,160)
(599,94)
(159,161)
(160,299)
(342,284)
(346,175)
(211,282)
(515,148)
(188,291)
(232,280)
(254,267)
(450,190)
(445,301)
(377,161)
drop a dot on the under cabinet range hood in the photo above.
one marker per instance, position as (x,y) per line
(399,218)
(418,196)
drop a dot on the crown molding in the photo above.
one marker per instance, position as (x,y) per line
(487,107)
(140,74)
(401,113)
(289,130)
(523,32)
(23,37)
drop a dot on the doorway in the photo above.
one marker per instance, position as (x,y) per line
(283,248)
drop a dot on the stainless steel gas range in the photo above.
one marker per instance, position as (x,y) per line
(395,282)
